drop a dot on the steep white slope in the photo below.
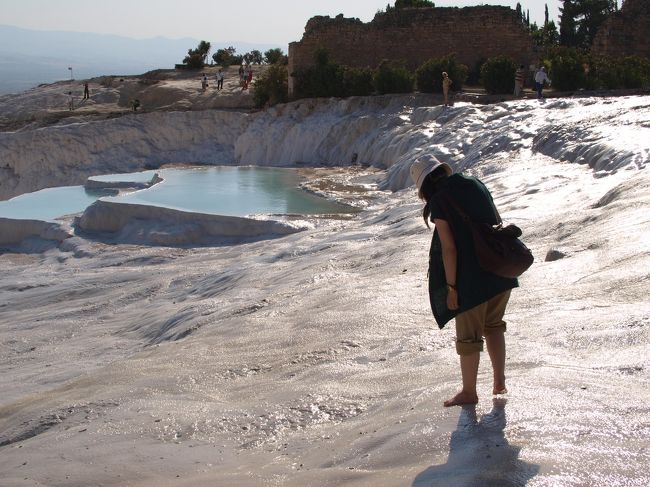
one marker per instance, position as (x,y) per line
(68,154)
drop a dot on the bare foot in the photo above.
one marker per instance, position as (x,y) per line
(461,398)
(499,389)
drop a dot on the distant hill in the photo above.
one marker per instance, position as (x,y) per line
(30,57)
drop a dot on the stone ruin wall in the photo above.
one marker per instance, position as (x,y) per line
(415,36)
(626,32)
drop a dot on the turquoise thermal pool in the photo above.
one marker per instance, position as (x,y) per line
(229,191)
(51,203)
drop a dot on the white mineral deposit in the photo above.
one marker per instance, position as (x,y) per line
(308,356)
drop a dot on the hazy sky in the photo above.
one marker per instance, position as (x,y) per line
(257,21)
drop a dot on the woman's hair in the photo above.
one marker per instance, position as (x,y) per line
(428,189)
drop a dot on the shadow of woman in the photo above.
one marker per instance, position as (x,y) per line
(479,454)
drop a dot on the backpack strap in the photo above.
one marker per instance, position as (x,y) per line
(449,199)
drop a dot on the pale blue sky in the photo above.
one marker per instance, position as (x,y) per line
(257,21)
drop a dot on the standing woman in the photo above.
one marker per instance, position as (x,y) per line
(446,84)
(458,287)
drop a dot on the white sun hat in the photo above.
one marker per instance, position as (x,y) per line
(425,165)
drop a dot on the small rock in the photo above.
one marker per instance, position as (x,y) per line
(553,255)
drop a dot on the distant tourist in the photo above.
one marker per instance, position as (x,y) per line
(204,82)
(86,91)
(540,79)
(458,287)
(519,81)
(70,101)
(220,77)
(446,84)
(241,75)
(246,76)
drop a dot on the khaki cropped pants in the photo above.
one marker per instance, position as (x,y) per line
(475,323)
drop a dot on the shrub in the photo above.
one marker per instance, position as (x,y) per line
(393,78)
(429,74)
(601,73)
(318,81)
(413,3)
(357,81)
(567,68)
(327,78)
(609,73)
(474,74)
(271,87)
(634,72)
(194,61)
(498,75)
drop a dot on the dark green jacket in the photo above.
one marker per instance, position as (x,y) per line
(475,285)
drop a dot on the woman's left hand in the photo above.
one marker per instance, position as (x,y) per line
(452,299)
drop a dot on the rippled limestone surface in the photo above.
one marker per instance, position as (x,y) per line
(313,359)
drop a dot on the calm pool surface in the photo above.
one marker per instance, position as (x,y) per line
(231,191)
(51,203)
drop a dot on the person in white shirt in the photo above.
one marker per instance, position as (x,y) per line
(220,77)
(540,79)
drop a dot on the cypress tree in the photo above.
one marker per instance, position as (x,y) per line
(545,14)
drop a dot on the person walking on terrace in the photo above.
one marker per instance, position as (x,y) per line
(86,91)
(220,77)
(540,79)
(458,287)
(446,84)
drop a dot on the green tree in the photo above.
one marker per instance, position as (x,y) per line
(581,19)
(592,15)
(568,24)
(546,36)
(275,56)
(196,57)
(545,14)
(253,57)
(224,57)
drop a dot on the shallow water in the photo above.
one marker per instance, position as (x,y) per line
(50,203)
(230,191)
(233,191)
